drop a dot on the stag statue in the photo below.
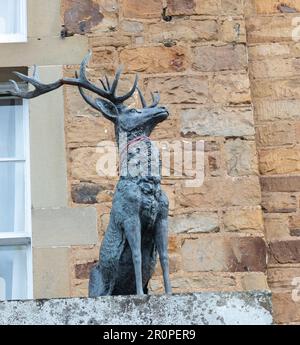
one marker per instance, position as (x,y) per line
(138,226)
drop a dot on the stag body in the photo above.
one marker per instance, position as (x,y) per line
(138,221)
(138,226)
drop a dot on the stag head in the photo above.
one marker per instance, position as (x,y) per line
(111,106)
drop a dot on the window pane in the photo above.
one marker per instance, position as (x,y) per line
(12,197)
(11,129)
(13,272)
(10,21)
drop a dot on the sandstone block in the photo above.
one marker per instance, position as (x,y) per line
(179,30)
(230,89)
(232,31)
(51,272)
(276,134)
(142,8)
(263,29)
(224,254)
(285,309)
(266,110)
(221,192)
(276,6)
(220,58)
(276,202)
(155,59)
(279,161)
(210,121)
(194,223)
(284,251)
(246,219)
(280,183)
(180,89)
(241,158)
(276,227)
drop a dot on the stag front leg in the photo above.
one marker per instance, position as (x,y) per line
(161,241)
(132,228)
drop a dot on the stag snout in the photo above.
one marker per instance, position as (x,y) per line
(162,113)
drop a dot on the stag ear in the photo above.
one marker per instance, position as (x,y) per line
(107,108)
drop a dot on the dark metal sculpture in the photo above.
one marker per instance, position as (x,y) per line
(138,226)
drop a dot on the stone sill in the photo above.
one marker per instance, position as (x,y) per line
(219,308)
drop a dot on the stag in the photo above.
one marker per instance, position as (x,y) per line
(138,225)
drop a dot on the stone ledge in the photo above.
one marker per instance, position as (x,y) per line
(224,308)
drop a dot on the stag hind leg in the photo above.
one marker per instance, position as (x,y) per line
(161,240)
(97,286)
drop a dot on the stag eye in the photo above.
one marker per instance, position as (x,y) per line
(132,111)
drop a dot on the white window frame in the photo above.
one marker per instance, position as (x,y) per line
(25,238)
(22,35)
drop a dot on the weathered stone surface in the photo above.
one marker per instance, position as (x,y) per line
(145,59)
(281,278)
(199,282)
(276,68)
(235,192)
(177,31)
(82,271)
(255,281)
(276,202)
(226,122)
(233,254)
(241,158)
(81,16)
(262,29)
(142,8)
(280,183)
(64,226)
(185,89)
(230,89)
(51,272)
(294,225)
(207,7)
(190,309)
(278,89)
(276,227)
(246,219)
(279,161)
(92,193)
(220,58)
(284,251)
(276,6)
(177,7)
(270,49)
(132,27)
(88,164)
(267,110)
(285,309)
(194,223)
(232,31)
(276,134)
(104,57)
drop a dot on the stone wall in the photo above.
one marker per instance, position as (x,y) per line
(274,75)
(195,54)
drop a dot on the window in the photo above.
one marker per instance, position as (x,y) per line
(15,210)
(13,21)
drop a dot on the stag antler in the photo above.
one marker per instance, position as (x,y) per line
(108,92)
(155,98)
